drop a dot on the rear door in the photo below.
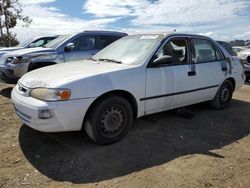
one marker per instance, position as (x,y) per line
(210,67)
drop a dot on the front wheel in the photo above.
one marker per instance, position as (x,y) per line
(109,120)
(223,96)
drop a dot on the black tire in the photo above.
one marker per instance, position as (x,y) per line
(109,120)
(223,96)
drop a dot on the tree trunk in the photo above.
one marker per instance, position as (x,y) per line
(6,20)
(1,32)
(1,27)
(7,29)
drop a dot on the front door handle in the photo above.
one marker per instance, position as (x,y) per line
(191,73)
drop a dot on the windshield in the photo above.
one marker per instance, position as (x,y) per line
(25,43)
(56,42)
(130,50)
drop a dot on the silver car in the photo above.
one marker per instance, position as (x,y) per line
(30,43)
(65,48)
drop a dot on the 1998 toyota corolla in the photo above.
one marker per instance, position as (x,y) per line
(135,76)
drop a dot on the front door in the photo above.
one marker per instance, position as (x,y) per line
(85,47)
(163,79)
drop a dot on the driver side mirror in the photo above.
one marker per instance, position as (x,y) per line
(69,47)
(165,59)
(32,45)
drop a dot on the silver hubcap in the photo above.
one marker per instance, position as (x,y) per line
(112,120)
(224,94)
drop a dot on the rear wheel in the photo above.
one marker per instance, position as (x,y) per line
(223,96)
(109,120)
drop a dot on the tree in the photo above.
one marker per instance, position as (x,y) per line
(12,40)
(10,13)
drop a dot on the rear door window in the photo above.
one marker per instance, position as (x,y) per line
(206,51)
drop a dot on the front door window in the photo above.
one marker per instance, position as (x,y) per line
(177,48)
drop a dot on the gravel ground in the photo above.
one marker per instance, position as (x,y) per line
(161,150)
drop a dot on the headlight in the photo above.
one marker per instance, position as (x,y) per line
(17,60)
(46,94)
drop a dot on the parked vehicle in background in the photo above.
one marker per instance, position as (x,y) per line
(244,57)
(63,49)
(30,43)
(227,47)
(239,49)
(134,76)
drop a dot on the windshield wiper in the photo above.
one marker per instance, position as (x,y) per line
(92,59)
(111,60)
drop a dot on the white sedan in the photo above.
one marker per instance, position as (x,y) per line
(135,76)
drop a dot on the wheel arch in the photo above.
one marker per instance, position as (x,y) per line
(232,80)
(125,94)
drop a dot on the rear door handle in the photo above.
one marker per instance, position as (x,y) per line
(191,73)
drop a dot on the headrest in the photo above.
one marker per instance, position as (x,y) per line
(178,53)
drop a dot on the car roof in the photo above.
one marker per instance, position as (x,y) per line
(104,32)
(187,35)
(172,34)
(46,36)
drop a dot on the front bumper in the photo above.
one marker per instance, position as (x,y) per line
(7,76)
(66,115)
(11,73)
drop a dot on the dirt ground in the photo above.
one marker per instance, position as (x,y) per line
(161,150)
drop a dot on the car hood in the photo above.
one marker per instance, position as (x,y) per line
(29,52)
(62,74)
(10,49)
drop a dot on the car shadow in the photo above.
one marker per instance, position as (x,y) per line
(6,92)
(153,140)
